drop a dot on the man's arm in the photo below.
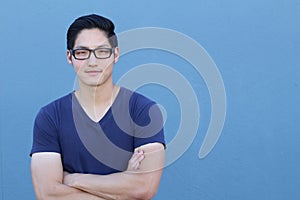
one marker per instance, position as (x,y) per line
(47,178)
(139,184)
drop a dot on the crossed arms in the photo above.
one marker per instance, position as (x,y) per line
(139,181)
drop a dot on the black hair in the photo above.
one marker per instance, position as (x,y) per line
(90,22)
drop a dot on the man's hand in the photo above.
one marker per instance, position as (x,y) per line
(135,161)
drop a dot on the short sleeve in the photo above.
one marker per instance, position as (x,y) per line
(148,124)
(45,136)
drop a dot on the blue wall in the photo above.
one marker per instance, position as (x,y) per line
(256,46)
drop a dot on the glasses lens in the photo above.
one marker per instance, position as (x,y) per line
(81,53)
(103,52)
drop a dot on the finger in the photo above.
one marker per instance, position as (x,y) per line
(137,156)
(137,162)
(134,162)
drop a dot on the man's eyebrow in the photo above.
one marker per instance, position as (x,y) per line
(80,47)
(84,47)
(103,46)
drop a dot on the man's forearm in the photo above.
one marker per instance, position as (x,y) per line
(121,185)
(63,192)
(140,181)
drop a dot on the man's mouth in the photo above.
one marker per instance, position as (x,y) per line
(93,71)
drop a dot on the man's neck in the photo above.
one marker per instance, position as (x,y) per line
(97,95)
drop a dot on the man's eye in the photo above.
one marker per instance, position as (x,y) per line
(81,52)
(102,51)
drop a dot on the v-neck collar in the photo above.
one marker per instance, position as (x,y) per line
(76,105)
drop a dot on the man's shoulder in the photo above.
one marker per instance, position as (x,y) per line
(137,104)
(136,98)
(58,103)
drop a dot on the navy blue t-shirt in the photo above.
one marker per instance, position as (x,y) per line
(102,147)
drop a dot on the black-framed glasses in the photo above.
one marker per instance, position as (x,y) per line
(85,53)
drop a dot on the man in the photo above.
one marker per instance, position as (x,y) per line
(101,141)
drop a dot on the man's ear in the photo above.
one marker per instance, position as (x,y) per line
(69,57)
(116,54)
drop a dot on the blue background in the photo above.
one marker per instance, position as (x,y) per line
(256,46)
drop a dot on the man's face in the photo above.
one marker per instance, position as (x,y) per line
(93,71)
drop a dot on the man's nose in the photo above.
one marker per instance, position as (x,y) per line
(93,60)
